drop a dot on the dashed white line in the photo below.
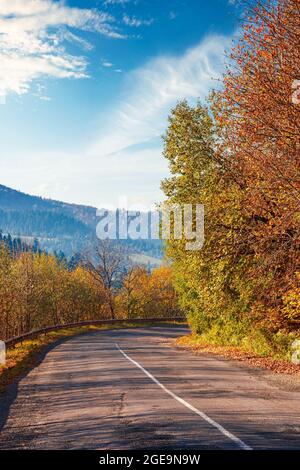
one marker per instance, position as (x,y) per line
(206,418)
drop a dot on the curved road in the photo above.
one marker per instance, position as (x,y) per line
(132,389)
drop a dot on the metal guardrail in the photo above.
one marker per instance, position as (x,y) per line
(10,343)
(295,323)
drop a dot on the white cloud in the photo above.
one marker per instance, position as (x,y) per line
(106,64)
(136,22)
(116,2)
(67,35)
(152,90)
(32,41)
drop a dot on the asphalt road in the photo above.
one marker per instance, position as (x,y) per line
(132,389)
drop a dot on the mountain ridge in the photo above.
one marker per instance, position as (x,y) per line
(58,226)
(23,201)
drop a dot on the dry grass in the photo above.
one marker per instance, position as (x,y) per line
(279,366)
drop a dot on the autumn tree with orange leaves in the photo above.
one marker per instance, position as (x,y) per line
(241,159)
(258,114)
(147,295)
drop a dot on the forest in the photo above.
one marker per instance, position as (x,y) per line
(39,290)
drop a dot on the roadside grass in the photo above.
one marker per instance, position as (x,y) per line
(256,347)
(23,356)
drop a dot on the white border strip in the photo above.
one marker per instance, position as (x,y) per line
(206,418)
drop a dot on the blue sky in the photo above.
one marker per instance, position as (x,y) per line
(86,88)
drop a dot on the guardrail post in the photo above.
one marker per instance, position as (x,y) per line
(2,353)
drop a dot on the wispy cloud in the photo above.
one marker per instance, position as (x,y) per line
(106,64)
(117,2)
(136,22)
(33,41)
(153,89)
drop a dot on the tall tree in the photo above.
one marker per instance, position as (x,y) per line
(106,262)
(259,143)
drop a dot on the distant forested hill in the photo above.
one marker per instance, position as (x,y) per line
(10,199)
(42,224)
(57,225)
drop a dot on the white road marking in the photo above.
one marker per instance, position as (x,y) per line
(206,418)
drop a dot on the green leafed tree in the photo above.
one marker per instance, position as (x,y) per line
(210,282)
